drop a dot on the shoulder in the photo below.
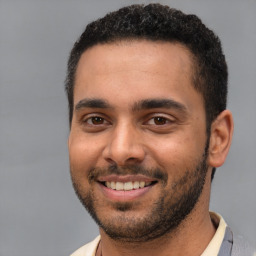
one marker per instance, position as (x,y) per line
(228,243)
(88,249)
(235,245)
(241,247)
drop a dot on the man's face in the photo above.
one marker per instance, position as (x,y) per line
(138,138)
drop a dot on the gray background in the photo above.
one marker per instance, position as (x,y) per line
(39,212)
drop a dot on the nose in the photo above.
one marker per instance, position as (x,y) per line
(124,146)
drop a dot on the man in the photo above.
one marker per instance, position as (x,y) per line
(147,89)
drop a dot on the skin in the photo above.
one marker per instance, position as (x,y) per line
(123,74)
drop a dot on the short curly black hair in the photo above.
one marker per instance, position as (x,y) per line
(155,22)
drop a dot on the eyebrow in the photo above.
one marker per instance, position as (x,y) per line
(92,103)
(137,106)
(159,103)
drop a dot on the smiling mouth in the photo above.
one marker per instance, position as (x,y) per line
(127,186)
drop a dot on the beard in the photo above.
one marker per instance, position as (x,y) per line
(174,204)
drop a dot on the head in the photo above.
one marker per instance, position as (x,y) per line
(147,87)
(155,22)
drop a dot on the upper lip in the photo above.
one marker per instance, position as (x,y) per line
(125,178)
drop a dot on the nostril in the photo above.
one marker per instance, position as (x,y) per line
(131,159)
(122,153)
(109,160)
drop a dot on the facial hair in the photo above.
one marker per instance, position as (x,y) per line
(172,206)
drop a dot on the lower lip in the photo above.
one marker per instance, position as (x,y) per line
(121,195)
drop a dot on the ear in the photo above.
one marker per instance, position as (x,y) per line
(220,138)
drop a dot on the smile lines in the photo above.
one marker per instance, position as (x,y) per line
(126,186)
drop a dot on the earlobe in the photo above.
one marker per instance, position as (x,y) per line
(220,138)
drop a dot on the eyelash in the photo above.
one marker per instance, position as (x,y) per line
(161,119)
(89,120)
(156,118)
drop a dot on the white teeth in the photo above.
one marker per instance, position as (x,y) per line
(119,186)
(113,185)
(142,184)
(127,185)
(136,185)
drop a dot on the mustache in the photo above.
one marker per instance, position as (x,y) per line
(153,173)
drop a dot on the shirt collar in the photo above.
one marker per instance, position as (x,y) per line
(215,244)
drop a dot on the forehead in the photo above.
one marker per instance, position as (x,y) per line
(134,53)
(142,68)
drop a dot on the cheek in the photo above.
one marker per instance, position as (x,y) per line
(83,154)
(176,154)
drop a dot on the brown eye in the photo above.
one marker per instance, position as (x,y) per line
(96,120)
(160,120)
